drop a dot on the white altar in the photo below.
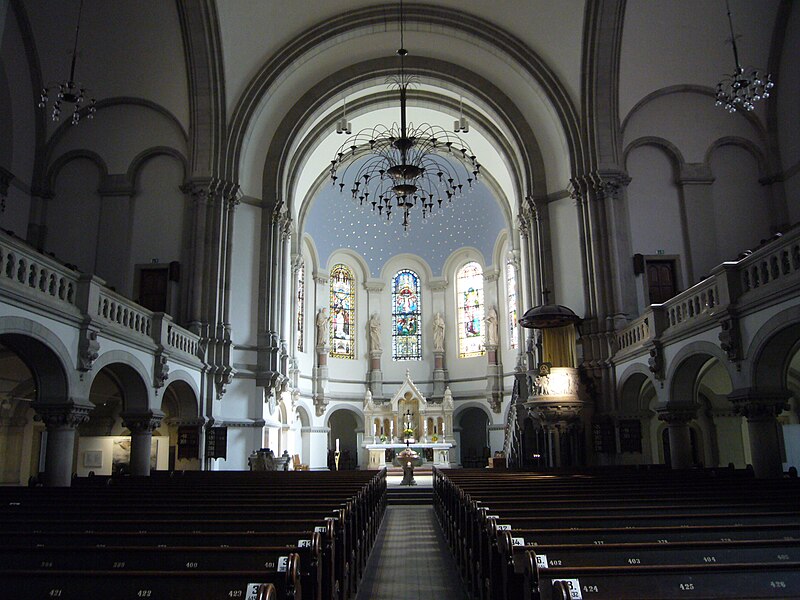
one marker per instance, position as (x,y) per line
(408,416)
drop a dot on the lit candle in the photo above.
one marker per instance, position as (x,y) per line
(337,444)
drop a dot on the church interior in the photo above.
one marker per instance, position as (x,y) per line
(242,235)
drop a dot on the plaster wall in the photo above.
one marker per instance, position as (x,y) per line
(567,267)
(245,274)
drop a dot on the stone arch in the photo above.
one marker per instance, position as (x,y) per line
(702,90)
(66,158)
(132,377)
(670,149)
(685,367)
(743,143)
(139,161)
(772,348)
(630,386)
(356,410)
(364,20)
(179,399)
(44,354)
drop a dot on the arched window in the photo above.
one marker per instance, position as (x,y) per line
(406,329)
(300,304)
(469,302)
(511,291)
(343,312)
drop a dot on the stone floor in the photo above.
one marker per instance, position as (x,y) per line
(410,560)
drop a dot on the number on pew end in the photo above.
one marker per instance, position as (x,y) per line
(541,561)
(574,587)
(304,543)
(517,541)
(250,593)
(283,564)
(504,528)
(320,529)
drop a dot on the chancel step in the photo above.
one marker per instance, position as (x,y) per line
(409,495)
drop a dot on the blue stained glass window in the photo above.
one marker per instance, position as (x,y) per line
(406,321)
(469,301)
(342,313)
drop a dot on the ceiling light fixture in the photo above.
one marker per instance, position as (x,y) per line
(744,87)
(399,168)
(69,90)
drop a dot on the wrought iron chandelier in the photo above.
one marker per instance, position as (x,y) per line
(396,169)
(745,86)
(69,91)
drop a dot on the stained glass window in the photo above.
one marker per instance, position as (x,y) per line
(300,304)
(511,290)
(469,299)
(406,329)
(342,313)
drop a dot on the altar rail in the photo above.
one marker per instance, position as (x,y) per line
(59,291)
(771,270)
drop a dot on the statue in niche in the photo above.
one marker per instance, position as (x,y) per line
(438,332)
(491,327)
(322,321)
(375,333)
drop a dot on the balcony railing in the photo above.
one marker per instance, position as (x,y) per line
(731,283)
(38,279)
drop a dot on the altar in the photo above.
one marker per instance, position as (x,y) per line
(409,420)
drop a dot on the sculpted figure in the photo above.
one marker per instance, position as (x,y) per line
(322,327)
(491,327)
(375,333)
(438,332)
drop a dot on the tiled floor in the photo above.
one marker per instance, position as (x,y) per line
(410,560)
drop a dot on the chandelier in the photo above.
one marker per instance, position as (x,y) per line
(396,169)
(69,91)
(744,87)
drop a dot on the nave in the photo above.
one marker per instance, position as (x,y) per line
(490,534)
(410,559)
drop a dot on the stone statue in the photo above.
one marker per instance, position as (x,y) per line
(491,327)
(369,406)
(375,333)
(322,321)
(438,332)
(447,401)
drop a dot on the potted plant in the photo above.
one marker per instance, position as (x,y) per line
(434,438)
(408,433)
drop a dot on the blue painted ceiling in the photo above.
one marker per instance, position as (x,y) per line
(335,221)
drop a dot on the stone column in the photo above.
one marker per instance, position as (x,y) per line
(375,373)
(761,408)
(680,442)
(61,421)
(141,426)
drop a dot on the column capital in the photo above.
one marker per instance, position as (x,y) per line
(757,404)
(677,414)
(68,415)
(145,422)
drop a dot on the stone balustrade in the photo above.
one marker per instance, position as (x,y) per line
(35,278)
(698,308)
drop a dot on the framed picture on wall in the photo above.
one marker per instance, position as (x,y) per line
(93,459)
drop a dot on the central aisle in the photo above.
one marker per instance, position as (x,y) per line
(410,559)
